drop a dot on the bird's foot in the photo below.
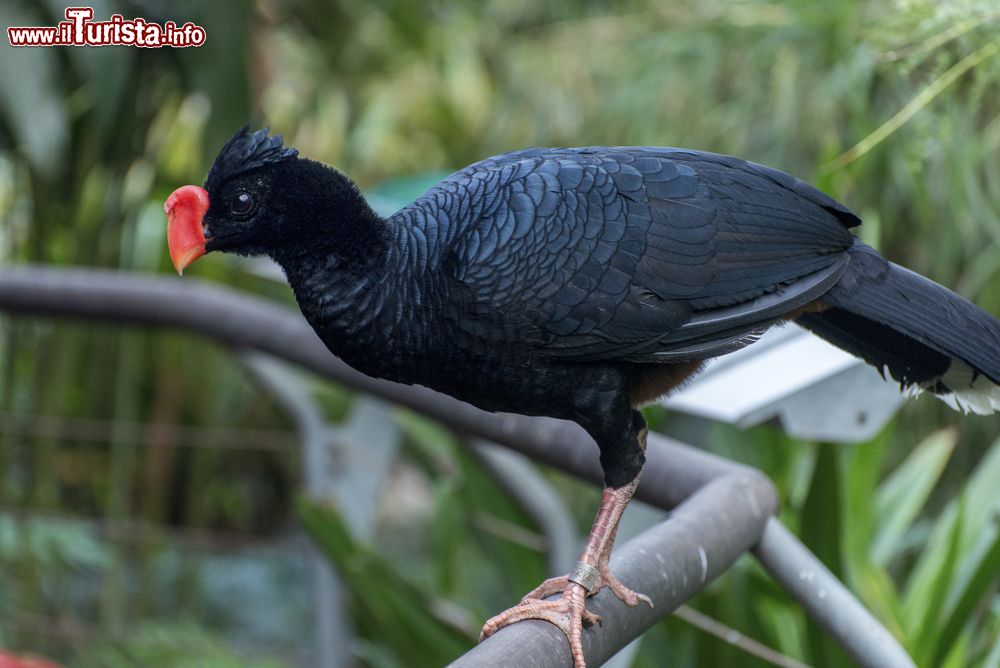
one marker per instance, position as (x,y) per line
(567,612)
(605,578)
(624,594)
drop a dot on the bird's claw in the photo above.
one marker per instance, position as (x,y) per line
(568,613)
(625,595)
(548,588)
(591,574)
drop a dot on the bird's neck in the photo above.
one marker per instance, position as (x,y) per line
(336,280)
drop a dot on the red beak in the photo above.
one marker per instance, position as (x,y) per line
(185,209)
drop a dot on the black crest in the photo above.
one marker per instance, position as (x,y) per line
(245,151)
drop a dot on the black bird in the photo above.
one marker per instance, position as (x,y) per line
(580,283)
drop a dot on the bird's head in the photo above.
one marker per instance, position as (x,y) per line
(259,196)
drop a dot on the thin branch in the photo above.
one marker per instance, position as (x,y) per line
(939,39)
(921,100)
(727,634)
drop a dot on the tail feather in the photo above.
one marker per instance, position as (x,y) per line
(924,335)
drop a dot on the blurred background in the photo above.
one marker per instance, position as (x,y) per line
(149,485)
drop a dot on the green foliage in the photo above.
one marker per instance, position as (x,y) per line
(941,613)
(175,645)
(479,548)
(389,608)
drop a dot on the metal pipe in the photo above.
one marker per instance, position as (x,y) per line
(332,625)
(826,600)
(673,471)
(670,563)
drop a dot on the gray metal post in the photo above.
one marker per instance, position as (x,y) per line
(332,629)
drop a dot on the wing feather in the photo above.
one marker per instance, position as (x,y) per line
(637,253)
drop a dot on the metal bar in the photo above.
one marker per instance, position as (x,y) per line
(332,628)
(673,472)
(826,600)
(670,563)
(241,321)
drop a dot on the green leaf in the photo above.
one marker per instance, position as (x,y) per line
(863,466)
(974,587)
(992,659)
(878,592)
(821,532)
(958,657)
(901,496)
(784,624)
(927,608)
(432,442)
(979,499)
(391,608)
(31,97)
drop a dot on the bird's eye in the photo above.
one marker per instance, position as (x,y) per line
(243,205)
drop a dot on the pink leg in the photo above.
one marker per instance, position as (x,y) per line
(590,576)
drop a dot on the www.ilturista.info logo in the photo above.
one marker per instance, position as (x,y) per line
(79,30)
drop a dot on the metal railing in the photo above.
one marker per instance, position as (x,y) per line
(720,509)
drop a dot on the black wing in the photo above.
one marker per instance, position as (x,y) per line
(643,254)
